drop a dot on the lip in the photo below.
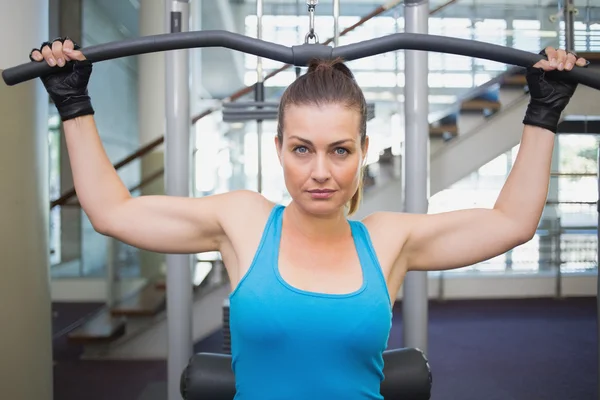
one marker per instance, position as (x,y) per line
(320,191)
(321,194)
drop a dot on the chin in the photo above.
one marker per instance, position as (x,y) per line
(320,206)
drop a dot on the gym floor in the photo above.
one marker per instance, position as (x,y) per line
(538,349)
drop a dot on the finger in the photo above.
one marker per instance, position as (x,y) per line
(545,65)
(70,52)
(581,62)
(570,61)
(68,45)
(57,52)
(47,53)
(552,55)
(74,54)
(561,56)
(36,55)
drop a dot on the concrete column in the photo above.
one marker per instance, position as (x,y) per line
(151,113)
(69,24)
(26,336)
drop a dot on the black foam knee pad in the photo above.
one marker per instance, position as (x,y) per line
(210,377)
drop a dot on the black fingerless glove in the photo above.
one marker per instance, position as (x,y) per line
(549,94)
(67,86)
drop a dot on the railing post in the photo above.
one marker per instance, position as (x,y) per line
(111,272)
(555,240)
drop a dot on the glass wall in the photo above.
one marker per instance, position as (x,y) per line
(567,235)
(226,156)
(385,71)
(54,157)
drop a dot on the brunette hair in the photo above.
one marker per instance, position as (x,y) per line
(328,82)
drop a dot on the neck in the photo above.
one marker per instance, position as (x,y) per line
(330,226)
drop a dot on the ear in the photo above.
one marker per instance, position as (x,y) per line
(278,148)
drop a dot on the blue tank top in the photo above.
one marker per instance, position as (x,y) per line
(289,344)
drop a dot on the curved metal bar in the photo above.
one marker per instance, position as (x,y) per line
(463,47)
(302,54)
(156,43)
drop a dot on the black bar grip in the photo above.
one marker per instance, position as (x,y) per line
(301,55)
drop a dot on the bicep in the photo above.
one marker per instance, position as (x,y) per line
(460,238)
(168,224)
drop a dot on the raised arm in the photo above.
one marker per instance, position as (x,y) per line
(459,238)
(158,223)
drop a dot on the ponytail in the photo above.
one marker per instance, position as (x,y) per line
(337,64)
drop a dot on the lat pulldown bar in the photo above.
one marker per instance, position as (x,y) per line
(302,54)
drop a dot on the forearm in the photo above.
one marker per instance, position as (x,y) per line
(99,187)
(524,194)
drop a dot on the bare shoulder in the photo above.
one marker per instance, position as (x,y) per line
(243,219)
(389,232)
(383,222)
(244,207)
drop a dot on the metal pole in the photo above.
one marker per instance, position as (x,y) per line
(598,278)
(111,275)
(569,11)
(336,23)
(178,155)
(259,94)
(414,304)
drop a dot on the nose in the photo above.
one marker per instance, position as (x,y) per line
(320,170)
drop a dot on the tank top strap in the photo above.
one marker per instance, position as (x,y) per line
(271,237)
(367,255)
(267,252)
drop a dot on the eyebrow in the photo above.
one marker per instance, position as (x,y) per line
(336,143)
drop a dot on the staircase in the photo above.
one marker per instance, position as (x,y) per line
(135,326)
(484,124)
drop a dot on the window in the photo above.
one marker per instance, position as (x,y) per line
(526,35)
(594,37)
(452,27)
(582,35)
(490,31)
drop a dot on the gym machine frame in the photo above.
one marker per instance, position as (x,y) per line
(177,138)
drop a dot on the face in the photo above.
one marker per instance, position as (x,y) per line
(321,156)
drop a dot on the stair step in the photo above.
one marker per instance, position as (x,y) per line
(101,328)
(589,55)
(147,302)
(437,131)
(515,80)
(480,105)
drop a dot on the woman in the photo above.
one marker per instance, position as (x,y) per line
(311,291)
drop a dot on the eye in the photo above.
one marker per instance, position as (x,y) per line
(300,149)
(340,151)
